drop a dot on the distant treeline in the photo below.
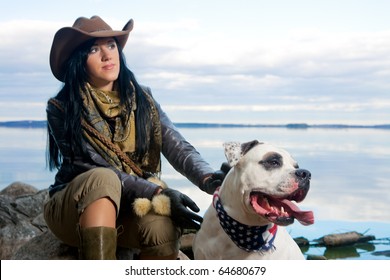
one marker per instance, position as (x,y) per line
(42,124)
(24,124)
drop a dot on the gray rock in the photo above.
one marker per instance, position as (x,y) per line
(45,246)
(20,207)
(23,231)
(17,189)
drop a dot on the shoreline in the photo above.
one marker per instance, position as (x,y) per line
(43,124)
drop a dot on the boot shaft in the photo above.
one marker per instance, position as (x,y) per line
(97,243)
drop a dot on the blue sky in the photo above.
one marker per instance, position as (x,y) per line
(248,61)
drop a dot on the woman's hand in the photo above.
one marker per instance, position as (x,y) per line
(180,215)
(215,180)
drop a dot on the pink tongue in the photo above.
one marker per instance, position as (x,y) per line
(304,217)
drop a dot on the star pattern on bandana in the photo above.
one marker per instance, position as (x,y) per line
(248,238)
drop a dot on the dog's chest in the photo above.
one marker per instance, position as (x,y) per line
(247,238)
(212,242)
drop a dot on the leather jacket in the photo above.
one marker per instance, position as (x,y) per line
(179,153)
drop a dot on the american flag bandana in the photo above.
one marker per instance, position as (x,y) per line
(248,238)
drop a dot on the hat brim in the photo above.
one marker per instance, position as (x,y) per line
(67,39)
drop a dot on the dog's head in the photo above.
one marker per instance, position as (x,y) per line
(269,180)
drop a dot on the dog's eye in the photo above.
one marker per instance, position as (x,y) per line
(271,163)
(274,163)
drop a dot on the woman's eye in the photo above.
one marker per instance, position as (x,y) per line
(93,50)
(112,45)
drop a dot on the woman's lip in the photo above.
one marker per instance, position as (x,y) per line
(108,66)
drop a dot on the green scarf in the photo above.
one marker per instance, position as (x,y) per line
(113,131)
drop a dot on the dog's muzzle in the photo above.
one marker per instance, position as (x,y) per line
(281,210)
(303,177)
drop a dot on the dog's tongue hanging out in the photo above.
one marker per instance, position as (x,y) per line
(277,210)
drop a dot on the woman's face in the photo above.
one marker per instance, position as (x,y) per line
(103,63)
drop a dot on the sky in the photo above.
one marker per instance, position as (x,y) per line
(219,61)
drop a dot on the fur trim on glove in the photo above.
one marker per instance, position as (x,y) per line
(161,204)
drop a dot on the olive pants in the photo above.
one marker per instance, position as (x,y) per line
(153,234)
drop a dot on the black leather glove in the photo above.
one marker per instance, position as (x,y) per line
(216,179)
(180,215)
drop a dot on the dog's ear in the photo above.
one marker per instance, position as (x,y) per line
(235,150)
(232,152)
(245,147)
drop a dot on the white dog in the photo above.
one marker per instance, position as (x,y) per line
(249,211)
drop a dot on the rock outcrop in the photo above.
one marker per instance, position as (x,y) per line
(21,217)
(23,231)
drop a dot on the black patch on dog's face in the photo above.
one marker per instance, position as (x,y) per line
(272,161)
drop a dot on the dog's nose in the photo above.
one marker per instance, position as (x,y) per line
(303,174)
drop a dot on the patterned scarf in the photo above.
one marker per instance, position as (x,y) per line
(248,238)
(113,131)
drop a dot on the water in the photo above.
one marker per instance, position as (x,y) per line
(350,176)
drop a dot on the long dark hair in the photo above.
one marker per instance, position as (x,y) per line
(75,79)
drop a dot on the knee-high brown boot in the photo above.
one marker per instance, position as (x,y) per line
(97,243)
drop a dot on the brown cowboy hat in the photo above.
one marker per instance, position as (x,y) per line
(67,39)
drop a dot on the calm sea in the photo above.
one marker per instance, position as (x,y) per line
(350,188)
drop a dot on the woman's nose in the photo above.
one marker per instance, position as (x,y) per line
(105,54)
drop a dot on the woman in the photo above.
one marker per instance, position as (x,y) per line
(106,134)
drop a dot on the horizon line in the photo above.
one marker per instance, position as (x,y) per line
(292,125)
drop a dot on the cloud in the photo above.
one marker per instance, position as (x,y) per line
(181,47)
(25,45)
(302,53)
(306,70)
(343,66)
(314,106)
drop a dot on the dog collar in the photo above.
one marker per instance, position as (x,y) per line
(248,238)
